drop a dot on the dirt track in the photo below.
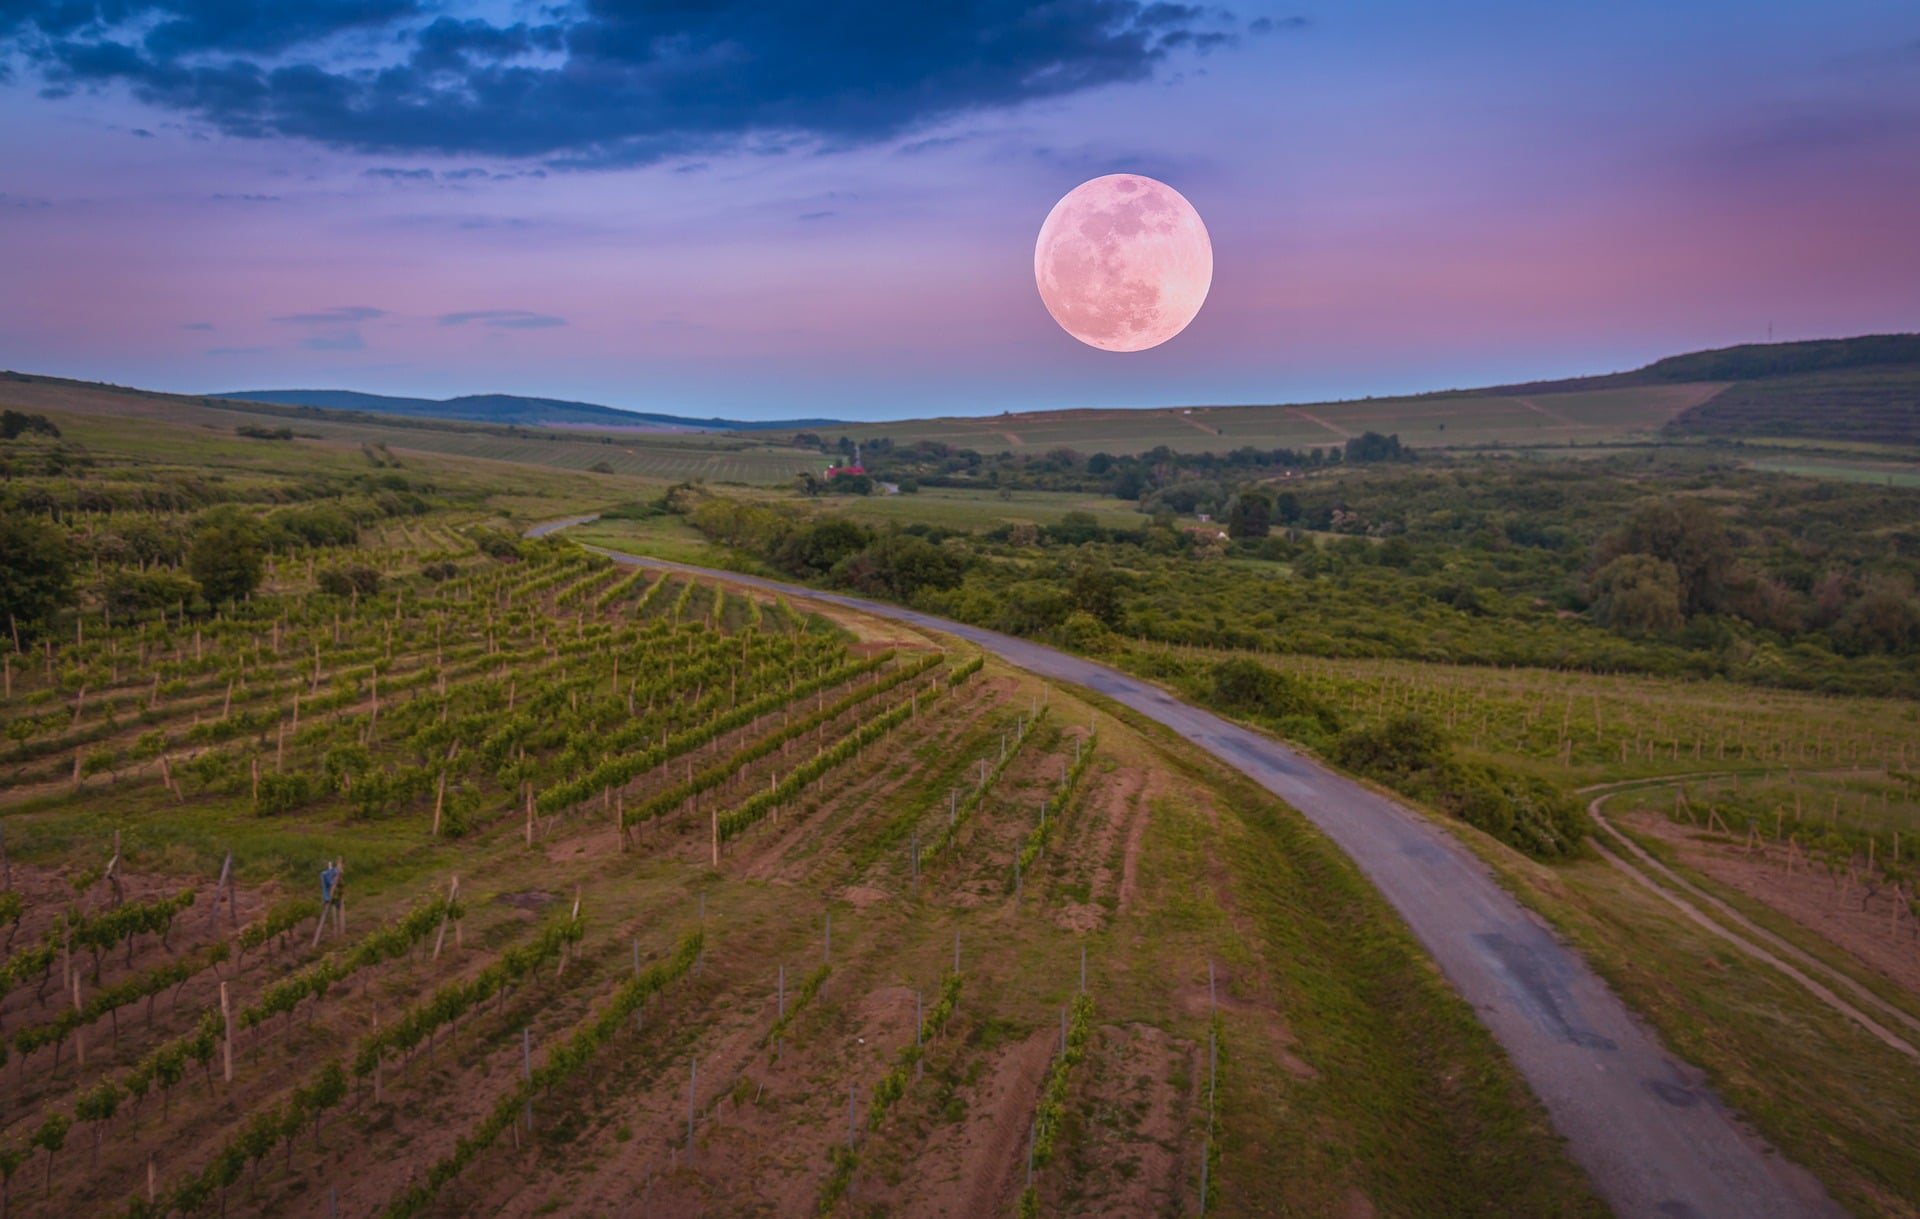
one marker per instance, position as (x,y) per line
(1653,1138)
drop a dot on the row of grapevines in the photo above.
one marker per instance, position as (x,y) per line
(893,1085)
(110,1000)
(101,932)
(619,588)
(580,589)
(383,945)
(809,987)
(1056,805)
(618,770)
(279,1123)
(757,806)
(564,1060)
(453,1000)
(730,767)
(842,1157)
(98,933)
(973,799)
(764,677)
(681,602)
(1052,1110)
(282,918)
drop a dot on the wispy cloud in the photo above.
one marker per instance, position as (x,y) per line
(504,319)
(344,315)
(237,351)
(346,340)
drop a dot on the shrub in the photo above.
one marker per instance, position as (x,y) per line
(346,581)
(496,544)
(1247,687)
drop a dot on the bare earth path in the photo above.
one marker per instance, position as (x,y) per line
(1653,1138)
(1688,893)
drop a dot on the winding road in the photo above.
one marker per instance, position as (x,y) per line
(1653,1138)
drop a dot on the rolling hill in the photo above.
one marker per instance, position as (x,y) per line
(1856,390)
(510,409)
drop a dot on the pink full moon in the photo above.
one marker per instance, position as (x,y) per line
(1123,262)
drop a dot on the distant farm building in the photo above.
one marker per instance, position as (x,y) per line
(851,468)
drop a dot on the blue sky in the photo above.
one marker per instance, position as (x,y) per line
(764,209)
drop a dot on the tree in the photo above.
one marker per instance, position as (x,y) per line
(1247,687)
(1077,528)
(1638,594)
(898,565)
(1689,536)
(1095,590)
(1884,619)
(36,570)
(1250,514)
(814,550)
(1372,446)
(130,592)
(225,556)
(17,423)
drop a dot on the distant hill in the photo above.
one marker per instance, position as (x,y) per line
(510,409)
(1747,362)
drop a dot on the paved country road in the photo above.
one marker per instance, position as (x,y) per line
(1653,1138)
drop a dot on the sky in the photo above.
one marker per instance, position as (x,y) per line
(760,209)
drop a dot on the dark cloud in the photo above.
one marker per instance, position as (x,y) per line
(236,351)
(399,175)
(245,198)
(605,82)
(143,133)
(504,319)
(342,316)
(815,215)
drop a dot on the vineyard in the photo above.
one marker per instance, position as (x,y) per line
(647,892)
(643,894)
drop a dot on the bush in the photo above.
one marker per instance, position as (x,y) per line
(1403,748)
(36,570)
(130,592)
(282,793)
(1410,754)
(496,544)
(1247,687)
(346,581)
(225,556)
(440,571)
